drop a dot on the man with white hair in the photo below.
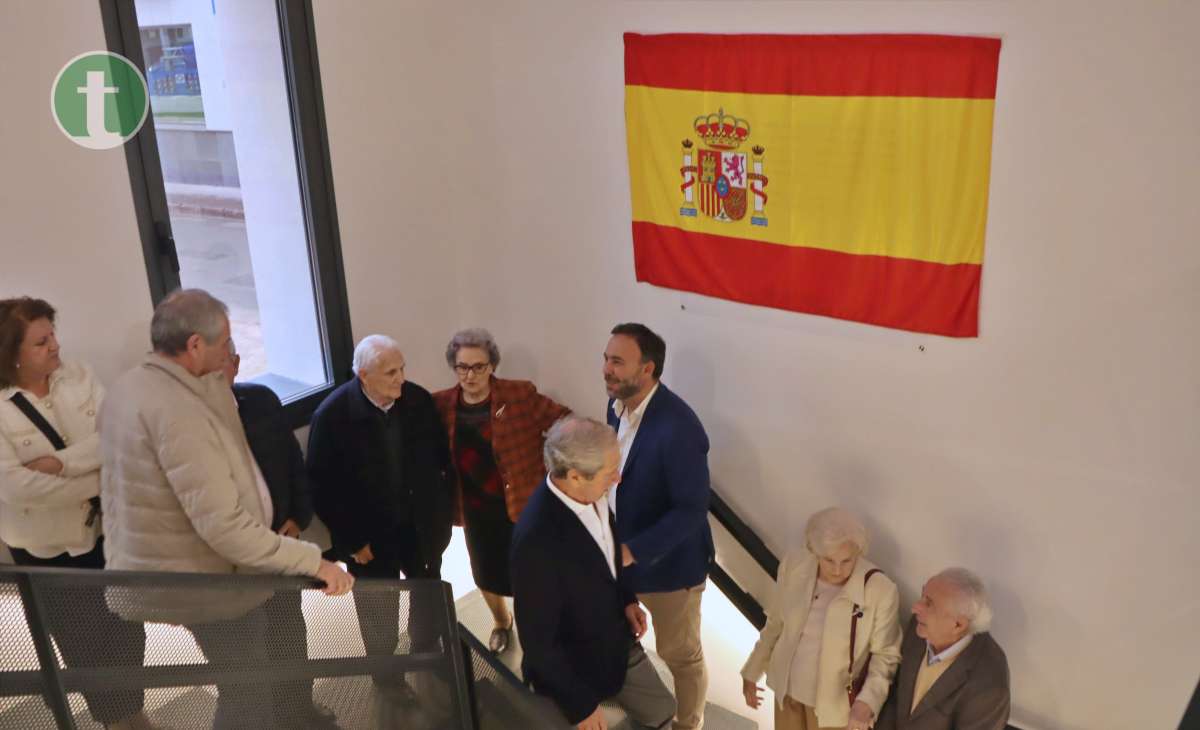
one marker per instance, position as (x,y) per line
(379,465)
(578,619)
(953,675)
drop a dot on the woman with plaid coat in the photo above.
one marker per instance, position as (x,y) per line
(496,429)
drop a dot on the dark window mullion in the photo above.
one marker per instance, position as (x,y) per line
(317,193)
(141,157)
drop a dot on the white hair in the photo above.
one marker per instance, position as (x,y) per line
(369,349)
(830,528)
(972,602)
(578,443)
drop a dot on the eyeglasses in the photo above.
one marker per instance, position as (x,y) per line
(478,368)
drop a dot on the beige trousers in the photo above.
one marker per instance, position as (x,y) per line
(676,618)
(794,716)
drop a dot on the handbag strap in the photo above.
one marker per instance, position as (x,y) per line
(22,403)
(855,615)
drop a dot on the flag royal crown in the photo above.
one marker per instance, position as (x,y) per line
(721,131)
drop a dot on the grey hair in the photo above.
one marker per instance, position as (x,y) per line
(973,602)
(829,528)
(473,337)
(578,443)
(232,347)
(184,313)
(369,349)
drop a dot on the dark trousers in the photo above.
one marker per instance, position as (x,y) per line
(274,632)
(379,611)
(105,640)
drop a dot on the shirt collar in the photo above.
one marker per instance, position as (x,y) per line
(635,417)
(577,507)
(382,409)
(951,651)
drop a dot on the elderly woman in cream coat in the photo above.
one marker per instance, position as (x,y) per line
(822,595)
(49,484)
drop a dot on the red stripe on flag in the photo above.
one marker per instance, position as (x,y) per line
(920,296)
(941,66)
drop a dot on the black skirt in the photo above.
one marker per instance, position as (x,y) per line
(489,534)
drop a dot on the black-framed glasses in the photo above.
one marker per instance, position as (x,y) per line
(480,368)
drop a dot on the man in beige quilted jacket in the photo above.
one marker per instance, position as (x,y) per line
(181,492)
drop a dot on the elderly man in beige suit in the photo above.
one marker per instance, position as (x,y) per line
(181,492)
(953,675)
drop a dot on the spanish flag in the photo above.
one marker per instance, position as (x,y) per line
(840,175)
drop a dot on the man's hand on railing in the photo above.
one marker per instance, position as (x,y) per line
(752,692)
(337,581)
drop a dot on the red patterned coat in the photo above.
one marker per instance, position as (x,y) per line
(520,417)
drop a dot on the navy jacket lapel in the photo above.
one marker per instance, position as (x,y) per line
(572,532)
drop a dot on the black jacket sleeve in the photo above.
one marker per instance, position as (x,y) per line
(538,605)
(328,477)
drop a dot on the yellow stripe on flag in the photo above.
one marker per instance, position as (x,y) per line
(888,176)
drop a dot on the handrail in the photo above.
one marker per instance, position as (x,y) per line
(757,549)
(73,596)
(744,536)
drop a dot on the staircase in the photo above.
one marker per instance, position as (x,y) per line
(473,615)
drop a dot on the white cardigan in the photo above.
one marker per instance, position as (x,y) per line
(42,513)
(877,638)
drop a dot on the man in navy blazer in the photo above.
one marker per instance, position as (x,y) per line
(662,506)
(578,621)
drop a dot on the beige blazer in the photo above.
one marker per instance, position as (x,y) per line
(877,639)
(180,493)
(42,513)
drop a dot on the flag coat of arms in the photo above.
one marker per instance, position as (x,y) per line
(839,175)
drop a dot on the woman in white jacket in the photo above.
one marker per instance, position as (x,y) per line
(49,489)
(832,640)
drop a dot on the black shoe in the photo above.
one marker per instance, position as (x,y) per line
(500,639)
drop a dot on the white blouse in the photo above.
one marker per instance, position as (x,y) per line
(45,514)
(802,680)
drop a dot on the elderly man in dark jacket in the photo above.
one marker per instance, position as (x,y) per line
(379,463)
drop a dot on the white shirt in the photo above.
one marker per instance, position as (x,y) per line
(594,520)
(627,430)
(802,679)
(264,492)
(951,651)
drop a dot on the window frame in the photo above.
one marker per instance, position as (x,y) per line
(303,78)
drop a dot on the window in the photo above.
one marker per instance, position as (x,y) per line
(231,180)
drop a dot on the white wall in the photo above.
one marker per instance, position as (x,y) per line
(478,150)
(67,228)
